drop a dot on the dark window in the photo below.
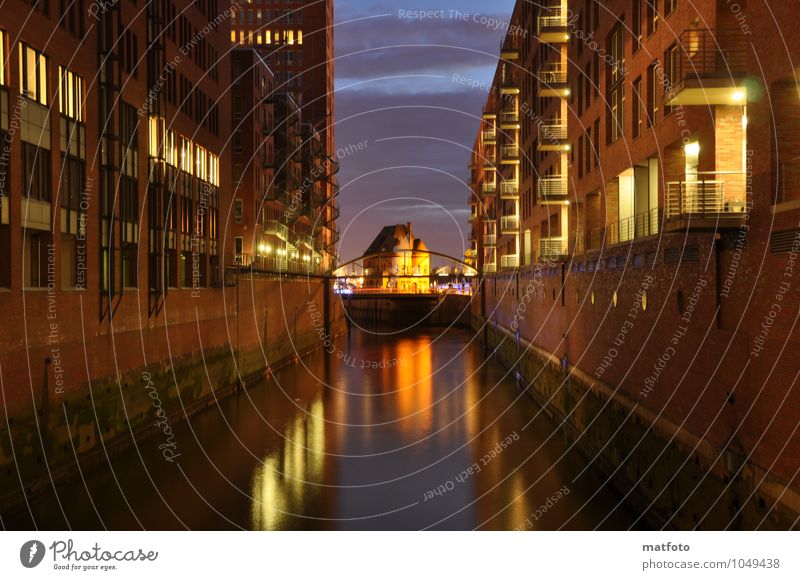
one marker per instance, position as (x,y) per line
(653,16)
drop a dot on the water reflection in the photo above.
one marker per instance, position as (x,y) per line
(327,444)
(289,475)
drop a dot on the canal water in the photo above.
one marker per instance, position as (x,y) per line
(398,432)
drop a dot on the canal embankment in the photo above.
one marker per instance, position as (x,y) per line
(134,385)
(666,472)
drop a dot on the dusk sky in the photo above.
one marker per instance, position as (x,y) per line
(396,92)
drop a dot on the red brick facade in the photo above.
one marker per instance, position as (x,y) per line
(688,205)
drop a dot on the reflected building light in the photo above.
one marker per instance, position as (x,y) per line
(280,485)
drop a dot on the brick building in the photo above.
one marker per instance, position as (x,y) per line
(296,40)
(120,239)
(658,229)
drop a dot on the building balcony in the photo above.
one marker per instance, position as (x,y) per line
(305,241)
(489,240)
(509,190)
(509,119)
(706,201)
(553,81)
(277,229)
(552,248)
(489,136)
(552,190)
(553,137)
(638,226)
(474,214)
(509,48)
(509,154)
(509,262)
(551,26)
(489,188)
(509,225)
(710,69)
(490,267)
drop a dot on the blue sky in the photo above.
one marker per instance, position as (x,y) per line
(398,90)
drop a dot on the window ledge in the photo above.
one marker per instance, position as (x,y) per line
(786,206)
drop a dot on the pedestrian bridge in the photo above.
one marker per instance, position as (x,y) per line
(402,288)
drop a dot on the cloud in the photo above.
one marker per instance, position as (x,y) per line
(396,91)
(391,46)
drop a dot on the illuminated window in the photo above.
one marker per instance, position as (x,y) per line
(32,74)
(233,36)
(70,94)
(299,37)
(291,37)
(156,137)
(186,155)
(201,163)
(171,149)
(213,169)
(2,57)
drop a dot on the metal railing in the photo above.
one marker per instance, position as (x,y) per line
(489,239)
(509,116)
(552,74)
(552,132)
(638,226)
(489,135)
(509,189)
(510,152)
(704,53)
(510,261)
(489,188)
(552,188)
(715,194)
(552,248)
(509,223)
(551,17)
(490,267)
(275,228)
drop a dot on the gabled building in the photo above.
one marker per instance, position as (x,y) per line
(397,260)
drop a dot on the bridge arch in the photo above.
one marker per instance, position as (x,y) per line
(394,253)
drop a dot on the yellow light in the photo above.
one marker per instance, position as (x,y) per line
(262,248)
(268,249)
(738,96)
(692,149)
